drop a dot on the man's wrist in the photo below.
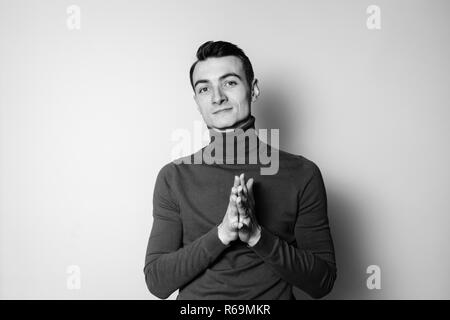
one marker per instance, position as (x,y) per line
(255,238)
(221,236)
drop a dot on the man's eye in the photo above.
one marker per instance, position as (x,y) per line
(230,83)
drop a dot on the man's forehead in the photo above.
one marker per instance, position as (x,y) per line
(213,68)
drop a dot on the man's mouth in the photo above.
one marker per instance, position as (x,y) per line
(221,110)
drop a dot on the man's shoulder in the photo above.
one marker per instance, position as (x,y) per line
(297,159)
(298,164)
(170,167)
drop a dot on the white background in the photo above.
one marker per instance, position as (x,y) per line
(86,118)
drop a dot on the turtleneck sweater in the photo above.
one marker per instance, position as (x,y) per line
(190,199)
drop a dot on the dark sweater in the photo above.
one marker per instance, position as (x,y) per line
(190,201)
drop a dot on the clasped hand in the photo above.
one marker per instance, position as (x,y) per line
(240,219)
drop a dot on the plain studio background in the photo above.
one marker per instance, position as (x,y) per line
(87,117)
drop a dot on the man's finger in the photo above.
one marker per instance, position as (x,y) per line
(244,225)
(245,221)
(242,180)
(240,193)
(236,181)
(242,183)
(244,189)
(242,209)
(250,187)
(236,224)
(233,212)
(239,203)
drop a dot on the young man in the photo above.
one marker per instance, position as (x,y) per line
(221,228)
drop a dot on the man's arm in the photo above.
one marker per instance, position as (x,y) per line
(169,265)
(310,265)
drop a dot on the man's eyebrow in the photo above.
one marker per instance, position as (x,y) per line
(230,74)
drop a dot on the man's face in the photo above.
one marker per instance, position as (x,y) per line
(221,91)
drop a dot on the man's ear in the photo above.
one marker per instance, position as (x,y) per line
(255,90)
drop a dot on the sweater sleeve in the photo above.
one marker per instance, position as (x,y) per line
(168,264)
(309,264)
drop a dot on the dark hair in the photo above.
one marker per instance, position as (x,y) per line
(218,49)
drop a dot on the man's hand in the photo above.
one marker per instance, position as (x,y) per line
(249,229)
(229,228)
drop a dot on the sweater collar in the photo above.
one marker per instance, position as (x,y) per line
(243,125)
(238,144)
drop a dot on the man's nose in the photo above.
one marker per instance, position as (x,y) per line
(218,96)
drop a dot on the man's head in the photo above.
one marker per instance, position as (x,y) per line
(224,84)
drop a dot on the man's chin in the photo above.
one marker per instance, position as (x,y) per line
(225,123)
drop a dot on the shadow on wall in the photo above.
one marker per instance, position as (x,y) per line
(348,235)
(273,111)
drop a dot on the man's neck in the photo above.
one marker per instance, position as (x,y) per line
(232,146)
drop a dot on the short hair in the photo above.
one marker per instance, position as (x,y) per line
(218,49)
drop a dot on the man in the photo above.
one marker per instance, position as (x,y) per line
(223,230)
